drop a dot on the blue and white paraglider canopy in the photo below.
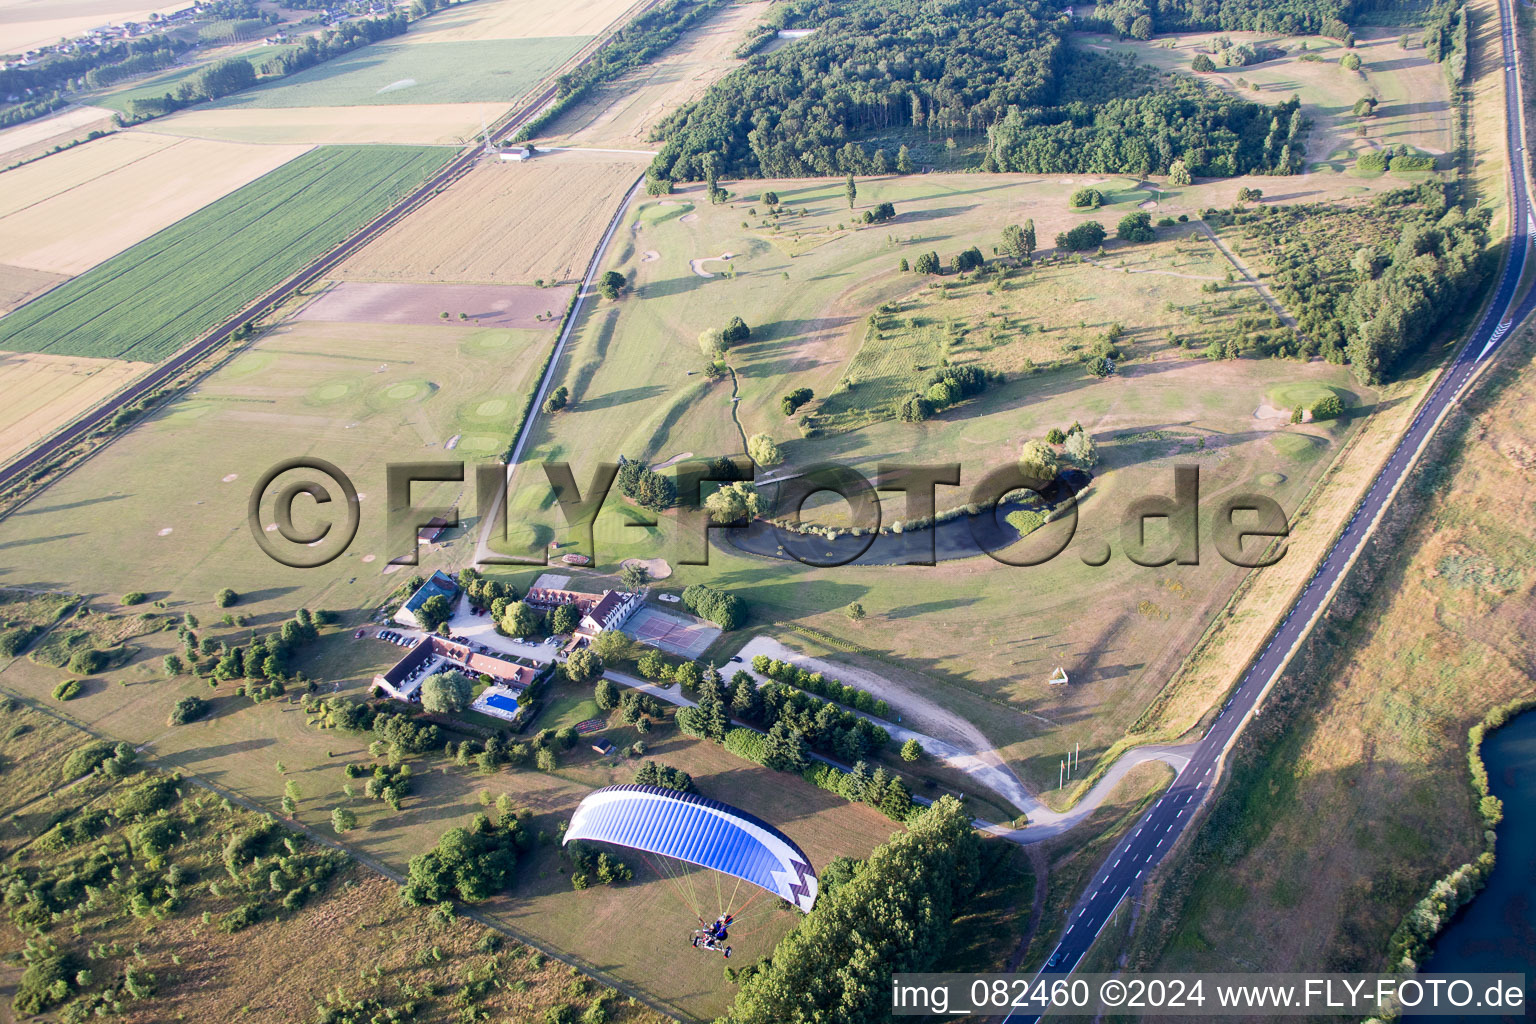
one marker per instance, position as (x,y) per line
(692,829)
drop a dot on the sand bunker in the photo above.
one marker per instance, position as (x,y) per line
(1270,414)
(231,478)
(688,218)
(697,265)
(674,460)
(650,256)
(657,567)
(166,532)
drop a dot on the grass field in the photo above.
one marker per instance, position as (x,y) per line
(65,214)
(121,98)
(47,391)
(405,124)
(1120,629)
(622,112)
(1365,801)
(1412,92)
(354,926)
(494,225)
(400,72)
(150,300)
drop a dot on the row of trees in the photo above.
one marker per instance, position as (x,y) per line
(645,487)
(817,683)
(945,387)
(893,915)
(1139,19)
(726,610)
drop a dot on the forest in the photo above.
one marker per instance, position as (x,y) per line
(950,68)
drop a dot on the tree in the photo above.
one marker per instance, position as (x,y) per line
(764,450)
(784,749)
(564,619)
(1039,463)
(434,611)
(611,646)
(633,577)
(850,190)
(736,331)
(1350,62)
(188,709)
(446,693)
(1081,449)
(1202,64)
(1135,227)
(583,664)
(1100,367)
(927,263)
(658,187)
(652,665)
(1086,199)
(914,408)
(1178,173)
(225,598)
(1328,408)
(1141,28)
(1088,235)
(520,619)
(612,284)
(733,502)
(795,399)
(172,665)
(903,160)
(855,611)
(343,820)
(911,750)
(712,342)
(770,199)
(968,259)
(1019,242)
(557,399)
(725,610)
(606,694)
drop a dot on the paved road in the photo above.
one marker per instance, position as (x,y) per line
(1150,839)
(72,433)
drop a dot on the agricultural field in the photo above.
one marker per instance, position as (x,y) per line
(66,214)
(807,283)
(1412,93)
(47,391)
(188,277)
(22,284)
(33,138)
(1364,801)
(428,124)
(397,71)
(120,98)
(518,19)
(25,24)
(494,224)
(622,112)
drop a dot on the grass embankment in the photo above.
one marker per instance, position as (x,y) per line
(1352,795)
(149,301)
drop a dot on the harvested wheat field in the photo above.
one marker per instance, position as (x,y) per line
(519,306)
(22,284)
(69,212)
(32,138)
(519,19)
(423,124)
(25,24)
(622,113)
(45,391)
(502,224)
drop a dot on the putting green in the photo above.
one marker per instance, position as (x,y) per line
(489,341)
(1272,479)
(481,443)
(1302,392)
(491,409)
(331,392)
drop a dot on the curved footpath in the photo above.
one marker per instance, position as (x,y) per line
(1160,827)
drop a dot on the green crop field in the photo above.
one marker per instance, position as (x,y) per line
(151,300)
(406,72)
(122,99)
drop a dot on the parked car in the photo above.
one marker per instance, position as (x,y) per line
(736,659)
(358,635)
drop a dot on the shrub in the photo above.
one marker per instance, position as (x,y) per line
(1327,409)
(927,263)
(188,709)
(1202,64)
(225,598)
(745,743)
(1088,235)
(911,750)
(725,610)
(134,597)
(1087,199)
(88,662)
(14,641)
(795,399)
(1135,227)
(612,284)
(86,759)
(67,690)
(557,399)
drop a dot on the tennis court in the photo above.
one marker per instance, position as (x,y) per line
(685,637)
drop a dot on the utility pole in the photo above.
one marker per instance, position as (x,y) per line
(1061,776)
